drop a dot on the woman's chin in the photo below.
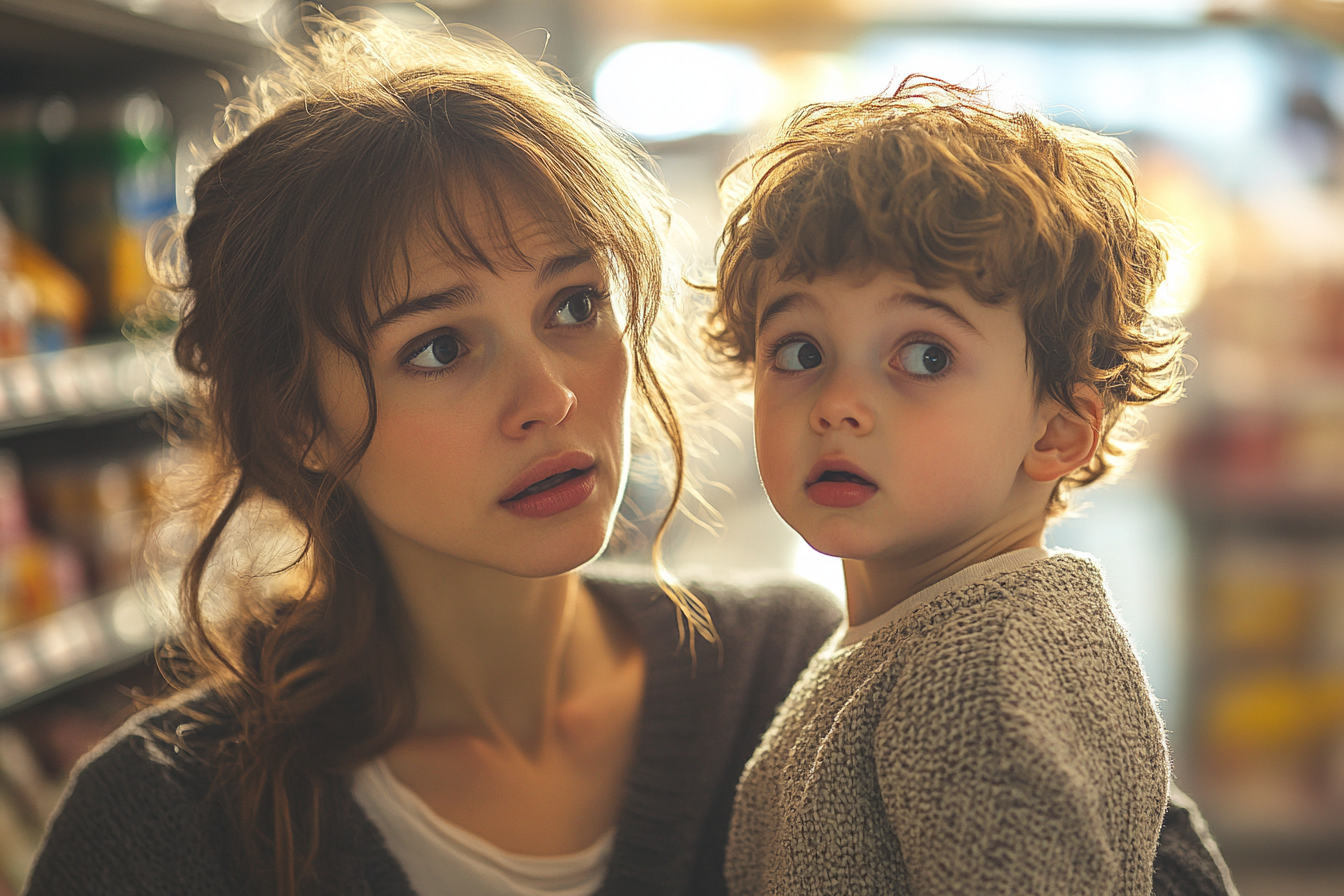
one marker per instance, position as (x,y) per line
(541,561)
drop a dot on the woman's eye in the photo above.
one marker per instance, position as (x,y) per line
(924,358)
(439,353)
(798,356)
(577,309)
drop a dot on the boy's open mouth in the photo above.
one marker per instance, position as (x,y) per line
(843,476)
(837,483)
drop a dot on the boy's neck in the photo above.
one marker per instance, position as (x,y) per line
(872,587)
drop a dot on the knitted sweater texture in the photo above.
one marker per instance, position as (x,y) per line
(999,739)
(136,818)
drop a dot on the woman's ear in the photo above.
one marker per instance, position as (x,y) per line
(312,448)
(1065,440)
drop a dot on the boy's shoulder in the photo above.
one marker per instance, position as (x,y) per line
(1031,630)
(1064,589)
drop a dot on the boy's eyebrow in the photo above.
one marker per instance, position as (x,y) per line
(786,302)
(791,300)
(926,301)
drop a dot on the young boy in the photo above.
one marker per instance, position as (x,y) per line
(945,309)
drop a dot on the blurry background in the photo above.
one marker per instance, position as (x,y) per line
(1224,548)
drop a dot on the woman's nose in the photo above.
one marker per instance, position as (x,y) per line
(540,399)
(841,407)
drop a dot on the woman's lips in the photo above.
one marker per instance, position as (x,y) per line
(839,483)
(552,485)
(568,491)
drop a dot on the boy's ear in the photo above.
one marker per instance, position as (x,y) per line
(1065,440)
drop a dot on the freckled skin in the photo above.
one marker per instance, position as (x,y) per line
(945,451)
(526,385)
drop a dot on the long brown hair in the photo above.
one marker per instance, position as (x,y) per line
(364,133)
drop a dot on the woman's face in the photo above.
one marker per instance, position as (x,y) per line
(502,436)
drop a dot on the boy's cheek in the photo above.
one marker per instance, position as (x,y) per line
(778,461)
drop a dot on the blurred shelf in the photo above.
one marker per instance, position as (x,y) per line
(1278,506)
(175,29)
(1305,842)
(77,386)
(82,641)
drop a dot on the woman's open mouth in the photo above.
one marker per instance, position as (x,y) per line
(554,493)
(840,488)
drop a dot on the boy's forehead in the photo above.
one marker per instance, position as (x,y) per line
(779,294)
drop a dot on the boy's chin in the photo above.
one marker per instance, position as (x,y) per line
(847,543)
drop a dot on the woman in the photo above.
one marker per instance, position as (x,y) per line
(419,305)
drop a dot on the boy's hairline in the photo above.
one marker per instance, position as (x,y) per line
(786,302)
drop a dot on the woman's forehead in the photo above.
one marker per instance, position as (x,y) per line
(531,245)
(494,226)
(432,260)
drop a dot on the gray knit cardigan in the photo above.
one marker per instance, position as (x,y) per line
(999,739)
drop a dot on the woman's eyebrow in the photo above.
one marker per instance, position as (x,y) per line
(561,265)
(466,295)
(452,297)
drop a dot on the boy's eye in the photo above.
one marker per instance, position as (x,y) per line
(440,352)
(924,358)
(798,356)
(576,309)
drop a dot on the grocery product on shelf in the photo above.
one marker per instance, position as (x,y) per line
(115,177)
(60,309)
(37,575)
(89,187)
(22,164)
(78,535)
(1271,727)
(43,307)
(99,506)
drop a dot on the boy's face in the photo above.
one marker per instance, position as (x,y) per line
(892,420)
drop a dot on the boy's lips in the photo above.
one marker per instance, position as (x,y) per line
(836,482)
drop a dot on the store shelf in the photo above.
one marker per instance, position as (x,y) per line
(176,29)
(86,639)
(78,385)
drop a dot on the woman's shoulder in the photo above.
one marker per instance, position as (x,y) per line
(746,607)
(135,811)
(155,744)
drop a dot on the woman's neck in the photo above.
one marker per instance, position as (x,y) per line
(492,653)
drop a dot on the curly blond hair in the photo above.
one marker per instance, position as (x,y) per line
(1012,207)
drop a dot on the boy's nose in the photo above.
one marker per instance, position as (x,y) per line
(841,407)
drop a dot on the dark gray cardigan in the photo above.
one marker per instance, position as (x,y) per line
(135,818)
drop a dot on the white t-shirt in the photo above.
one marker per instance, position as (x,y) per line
(442,859)
(854,634)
